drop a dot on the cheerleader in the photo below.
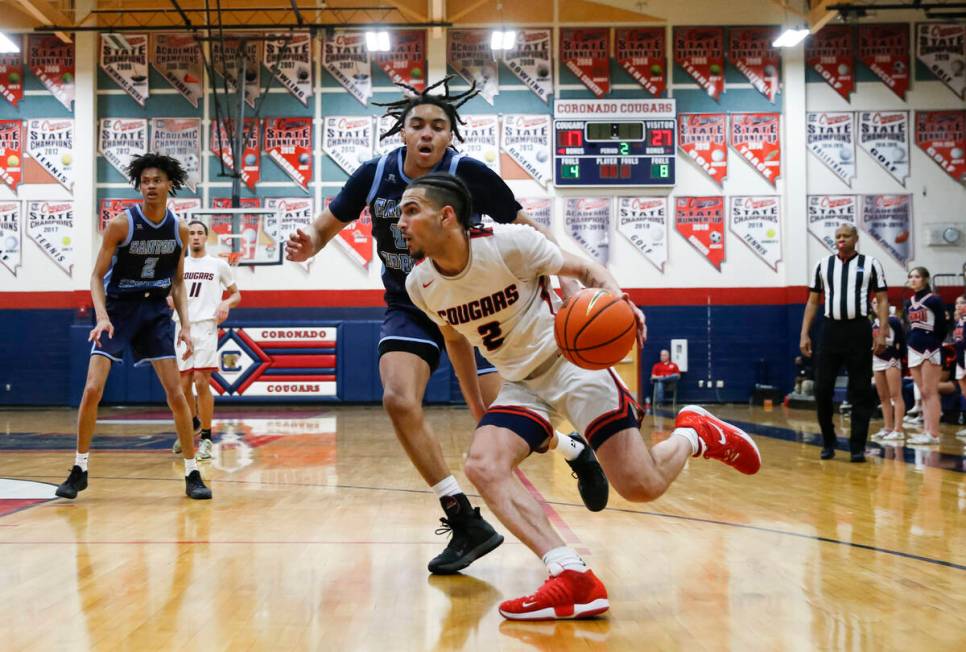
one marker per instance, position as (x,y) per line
(887,375)
(959,340)
(927,329)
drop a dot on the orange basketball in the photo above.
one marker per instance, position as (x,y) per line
(595,329)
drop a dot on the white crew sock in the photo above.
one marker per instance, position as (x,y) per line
(569,447)
(692,436)
(563,558)
(448,486)
(80,459)
(190,465)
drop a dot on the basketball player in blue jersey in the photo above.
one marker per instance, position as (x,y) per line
(139,263)
(410,344)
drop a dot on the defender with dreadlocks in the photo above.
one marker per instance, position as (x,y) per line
(139,263)
(410,344)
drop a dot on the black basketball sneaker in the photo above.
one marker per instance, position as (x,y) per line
(472,536)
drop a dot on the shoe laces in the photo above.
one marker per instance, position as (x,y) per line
(445,528)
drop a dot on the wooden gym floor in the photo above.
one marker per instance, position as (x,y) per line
(320,530)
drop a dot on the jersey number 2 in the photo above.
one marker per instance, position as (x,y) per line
(149,264)
(492,335)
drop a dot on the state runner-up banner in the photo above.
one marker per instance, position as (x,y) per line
(109,208)
(942,136)
(757,138)
(468,52)
(355,238)
(704,138)
(586,53)
(178,59)
(530,60)
(227,59)
(51,226)
(831,53)
(180,138)
(124,58)
(942,48)
(348,140)
(757,222)
(700,51)
(383,145)
(884,49)
(750,51)
(11,235)
(643,221)
(11,152)
(481,139)
(888,219)
(405,63)
(587,220)
(119,140)
(221,139)
(346,57)
(289,58)
(11,75)
(538,209)
(51,143)
(700,221)
(526,138)
(884,135)
(52,62)
(830,136)
(826,213)
(288,142)
(642,52)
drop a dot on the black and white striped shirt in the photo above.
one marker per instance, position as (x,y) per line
(847,284)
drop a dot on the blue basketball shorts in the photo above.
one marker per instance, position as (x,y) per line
(142,324)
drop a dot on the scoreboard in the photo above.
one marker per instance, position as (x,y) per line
(602,143)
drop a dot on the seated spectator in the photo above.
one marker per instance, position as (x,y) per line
(804,376)
(662,373)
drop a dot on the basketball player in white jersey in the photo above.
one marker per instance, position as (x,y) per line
(489,288)
(205,278)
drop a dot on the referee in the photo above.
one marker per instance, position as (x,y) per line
(846,278)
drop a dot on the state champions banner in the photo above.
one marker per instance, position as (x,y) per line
(888,219)
(831,53)
(108,208)
(586,53)
(704,138)
(700,221)
(51,143)
(751,52)
(11,152)
(530,59)
(11,75)
(884,135)
(884,49)
(221,139)
(178,59)
(405,63)
(356,239)
(587,221)
(642,52)
(288,142)
(643,221)
(481,139)
(700,51)
(826,213)
(346,57)
(942,136)
(756,220)
(119,140)
(51,226)
(468,52)
(227,59)
(526,138)
(180,138)
(756,137)
(384,145)
(11,235)
(291,213)
(289,58)
(942,48)
(347,140)
(124,58)
(52,62)
(830,136)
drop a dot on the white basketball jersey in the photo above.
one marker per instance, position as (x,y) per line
(204,280)
(502,301)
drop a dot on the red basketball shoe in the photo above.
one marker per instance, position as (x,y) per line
(571,594)
(720,440)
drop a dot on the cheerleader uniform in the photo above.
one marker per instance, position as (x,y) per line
(895,345)
(927,328)
(959,340)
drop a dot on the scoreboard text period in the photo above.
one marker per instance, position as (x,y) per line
(599,143)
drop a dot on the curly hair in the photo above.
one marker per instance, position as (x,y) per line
(447,102)
(170,166)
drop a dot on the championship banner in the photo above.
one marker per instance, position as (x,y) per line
(181,205)
(642,52)
(586,53)
(124,58)
(481,139)
(703,137)
(757,138)
(178,59)
(288,142)
(383,124)
(884,49)
(942,48)
(355,238)
(11,236)
(530,60)
(51,143)
(468,52)
(227,62)
(538,209)
(52,62)
(11,152)
(884,135)
(346,57)
(51,226)
(643,221)
(11,76)
(526,138)
(220,141)
(831,53)
(289,57)
(831,138)
(291,213)
(108,208)
(826,213)
(700,221)
(348,140)
(757,222)
(121,139)
(750,51)
(405,63)
(888,219)
(180,138)
(587,220)
(243,202)
(700,51)
(942,136)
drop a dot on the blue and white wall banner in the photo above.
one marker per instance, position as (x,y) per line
(348,140)
(50,142)
(884,135)
(531,61)
(942,48)
(11,235)
(888,219)
(124,58)
(227,60)
(526,138)
(587,221)
(180,138)
(643,221)
(826,213)
(290,59)
(51,226)
(757,222)
(177,58)
(121,139)
(830,136)
(481,139)
(468,52)
(346,57)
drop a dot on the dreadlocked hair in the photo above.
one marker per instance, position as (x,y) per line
(444,189)
(448,102)
(170,166)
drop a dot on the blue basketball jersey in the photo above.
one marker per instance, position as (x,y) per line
(148,257)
